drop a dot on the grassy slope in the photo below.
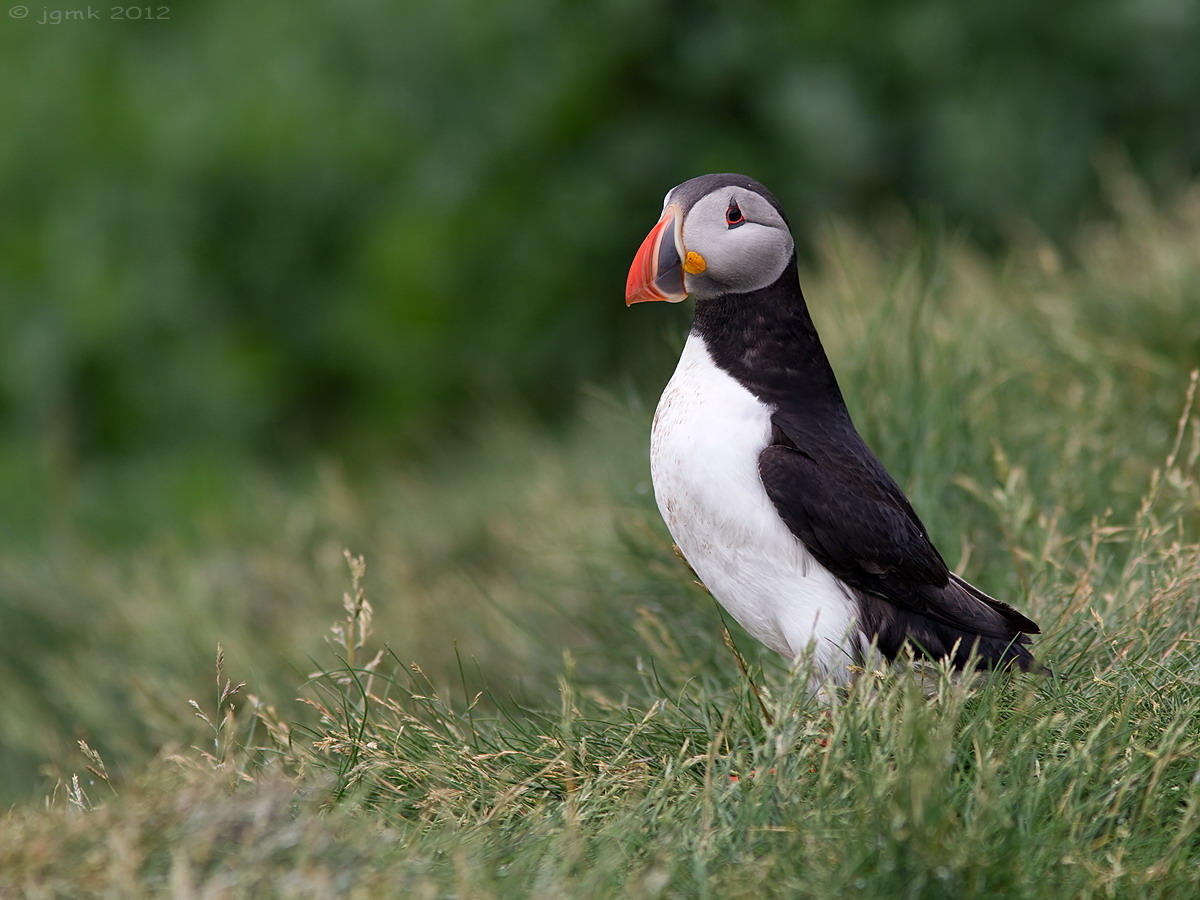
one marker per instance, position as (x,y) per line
(575,724)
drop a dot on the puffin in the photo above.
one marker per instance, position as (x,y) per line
(772,497)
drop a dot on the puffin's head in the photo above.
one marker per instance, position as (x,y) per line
(719,234)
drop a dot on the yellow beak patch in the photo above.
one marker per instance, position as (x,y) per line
(693,263)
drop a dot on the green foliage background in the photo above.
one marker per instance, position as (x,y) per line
(266,226)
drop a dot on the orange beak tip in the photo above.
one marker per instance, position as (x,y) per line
(656,272)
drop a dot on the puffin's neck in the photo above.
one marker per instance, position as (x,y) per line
(767,341)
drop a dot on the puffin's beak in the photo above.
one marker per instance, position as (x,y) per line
(657,270)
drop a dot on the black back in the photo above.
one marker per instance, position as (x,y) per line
(836,496)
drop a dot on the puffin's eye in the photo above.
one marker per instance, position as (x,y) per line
(733,215)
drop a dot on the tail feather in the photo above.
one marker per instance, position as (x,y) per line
(1018,621)
(967,624)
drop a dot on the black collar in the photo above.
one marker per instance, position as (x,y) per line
(767,341)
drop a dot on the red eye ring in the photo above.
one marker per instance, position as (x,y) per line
(733,214)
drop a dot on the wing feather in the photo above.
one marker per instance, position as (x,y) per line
(837,498)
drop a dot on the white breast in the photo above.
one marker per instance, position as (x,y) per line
(707,435)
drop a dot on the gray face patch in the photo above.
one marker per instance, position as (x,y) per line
(740,259)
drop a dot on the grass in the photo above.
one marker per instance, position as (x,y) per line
(524,693)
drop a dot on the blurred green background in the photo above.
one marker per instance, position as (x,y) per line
(279,278)
(266,227)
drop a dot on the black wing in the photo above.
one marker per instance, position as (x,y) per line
(837,498)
